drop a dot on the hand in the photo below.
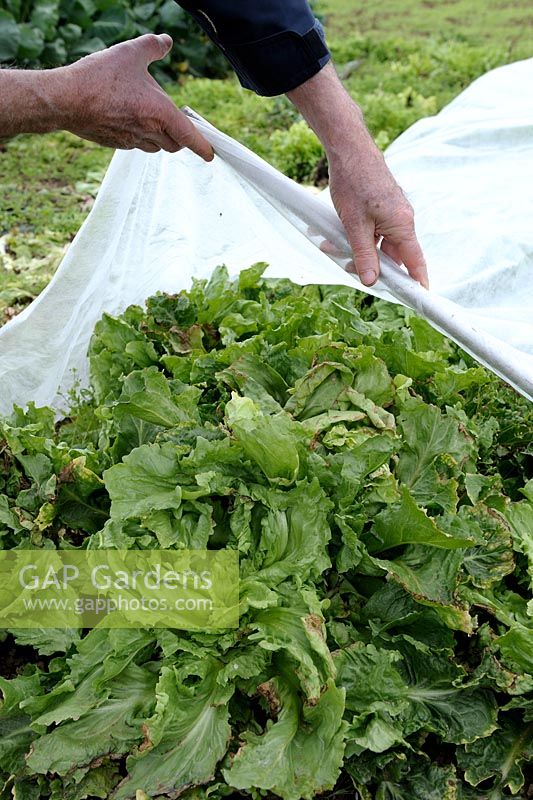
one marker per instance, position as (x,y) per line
(114,101)
(368,200)
(373,210)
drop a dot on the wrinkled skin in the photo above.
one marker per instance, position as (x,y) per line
(371,205)
(110,98)
(118,104)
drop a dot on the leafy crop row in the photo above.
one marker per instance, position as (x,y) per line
(351,455)
(50,33)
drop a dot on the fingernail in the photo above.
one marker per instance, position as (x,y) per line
(368,277)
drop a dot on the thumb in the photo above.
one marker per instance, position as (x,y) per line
(365,256)
(155,46)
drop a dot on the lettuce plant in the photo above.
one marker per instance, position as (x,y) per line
(374,481)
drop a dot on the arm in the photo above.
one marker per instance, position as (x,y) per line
(368,200)
(108,97)
(277,47)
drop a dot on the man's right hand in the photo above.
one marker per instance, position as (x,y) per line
(114,101)
(369,202)
(108,97)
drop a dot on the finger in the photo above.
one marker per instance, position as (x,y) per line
(365,256)
(391,250)
(330,249)
(147,146)
(183,132)
(411,255)
(324,244)
(154,46)
(164,142)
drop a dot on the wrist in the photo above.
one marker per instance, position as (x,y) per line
(348,135)
(35,100)
(330,111)
(57,98)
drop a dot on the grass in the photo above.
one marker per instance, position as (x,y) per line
(47,187)
(479,21)
(398,74)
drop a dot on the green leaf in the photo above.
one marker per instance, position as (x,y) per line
(98,781)
(300,753)
(47,641)
(251,376)
(185,738)
(428,436)
(438,701)
(398,353)
(112,26)
(492,559)
(408,524)
(149,396)
(109,358)
(432,782)
(111,727)
(453,380)
(371,679)
(8,519)
(319,390)
(188,527)
(31,42)
(70,34)
(54,53)
(297,631)
(171,14)
(269,441)
(85,47)
(172,310)
(16,737)
(520,518)
(516,648)
(294,535)
(431,577)
(381,419)
(479,487)
(98,659)
(372,377)
(79,501)
(13,6)
(393,694)
(144,11)
(499,756)
(392,611)
(146,481)
(45,17)
(15,726)
(81,11)
(9,36)
(27,789)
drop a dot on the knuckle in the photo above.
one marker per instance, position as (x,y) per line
(364,251)
(405,215)
(122,49)
(186,137)
(362,241)
(128,141)
(151,39)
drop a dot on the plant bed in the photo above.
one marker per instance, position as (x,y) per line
(374,481)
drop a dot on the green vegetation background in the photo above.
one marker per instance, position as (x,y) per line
(401,59)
